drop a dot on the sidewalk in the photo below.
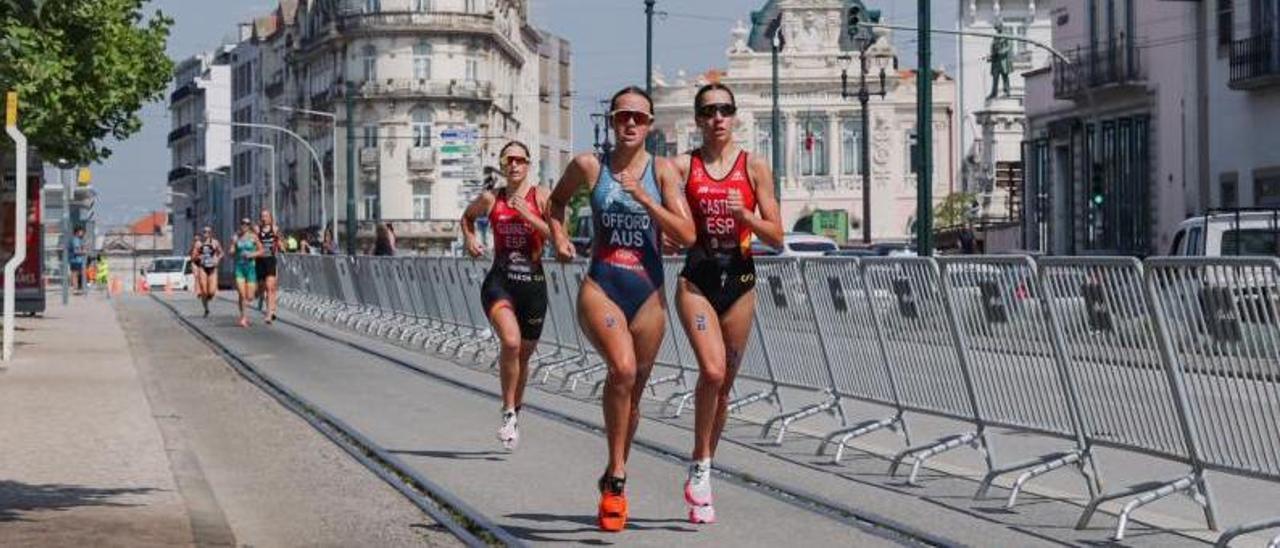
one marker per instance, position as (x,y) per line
(82,461)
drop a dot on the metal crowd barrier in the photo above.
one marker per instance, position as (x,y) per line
(1175,358)
(1130,394)
(1221,324)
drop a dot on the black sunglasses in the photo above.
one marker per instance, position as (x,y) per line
(725,109)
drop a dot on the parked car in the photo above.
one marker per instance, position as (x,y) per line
(799,244)
(847,252)
(760,249)
(170,272)
(1228,234)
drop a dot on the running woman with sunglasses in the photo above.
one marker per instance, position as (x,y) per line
(731,196)
(206,253)
(514,293)
(635,199)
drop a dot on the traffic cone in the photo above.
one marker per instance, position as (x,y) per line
(142,286)
(168,290)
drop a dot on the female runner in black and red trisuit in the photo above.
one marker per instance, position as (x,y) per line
(514,293)
(730,194)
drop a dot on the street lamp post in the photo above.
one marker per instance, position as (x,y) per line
(924,132)
(272,176)
(67,230)
(316,157)
(333,158)
(776,125)
(864,99)
(648,46)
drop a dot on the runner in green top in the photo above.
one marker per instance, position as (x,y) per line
(247,248)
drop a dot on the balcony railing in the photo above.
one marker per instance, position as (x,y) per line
(275,88)
(444,22)
(185,130)
(180,172)
(321,97)
(1255,61)
(422,159)
(187,90)
(1091,70)
(426,89)
(369,158)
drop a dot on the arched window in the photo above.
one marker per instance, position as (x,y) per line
(422,61)
(422,127)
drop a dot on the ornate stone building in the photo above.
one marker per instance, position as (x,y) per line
(821,129)
(437,87)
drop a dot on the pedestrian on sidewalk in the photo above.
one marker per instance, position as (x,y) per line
(76,259)
(514,293)
(730,193)
(247,248)
(384,244)
(635,199)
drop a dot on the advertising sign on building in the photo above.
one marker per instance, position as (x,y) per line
(29,285)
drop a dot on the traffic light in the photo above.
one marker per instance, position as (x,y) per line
(854,20)
(1096,194)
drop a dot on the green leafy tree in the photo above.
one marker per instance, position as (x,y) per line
(954,209)
(82,69)
(580,199)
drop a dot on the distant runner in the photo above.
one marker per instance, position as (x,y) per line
(514,293)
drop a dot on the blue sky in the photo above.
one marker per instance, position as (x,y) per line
(606,36)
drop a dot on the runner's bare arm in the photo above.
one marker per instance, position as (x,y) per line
(578,173)
(478,207)
(672,214)
(767,224)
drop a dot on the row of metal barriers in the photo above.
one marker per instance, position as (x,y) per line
(1177,358)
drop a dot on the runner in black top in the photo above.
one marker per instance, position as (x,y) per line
(206,252)
(269,234)
(514,293)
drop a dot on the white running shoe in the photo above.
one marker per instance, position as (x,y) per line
(702,514)
(509,434)
(697,493)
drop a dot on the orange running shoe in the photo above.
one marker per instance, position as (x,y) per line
(612,515)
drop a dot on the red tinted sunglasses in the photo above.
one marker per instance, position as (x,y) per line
(637,117)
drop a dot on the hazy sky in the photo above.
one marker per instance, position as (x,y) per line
(606,37)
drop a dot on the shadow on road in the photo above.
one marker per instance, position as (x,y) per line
(497,456)
(586,524)
(16,498)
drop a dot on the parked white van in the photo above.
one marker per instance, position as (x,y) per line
(1241,232)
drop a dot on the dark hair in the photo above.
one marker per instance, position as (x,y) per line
(613,102)
(697,97)
(510,144)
